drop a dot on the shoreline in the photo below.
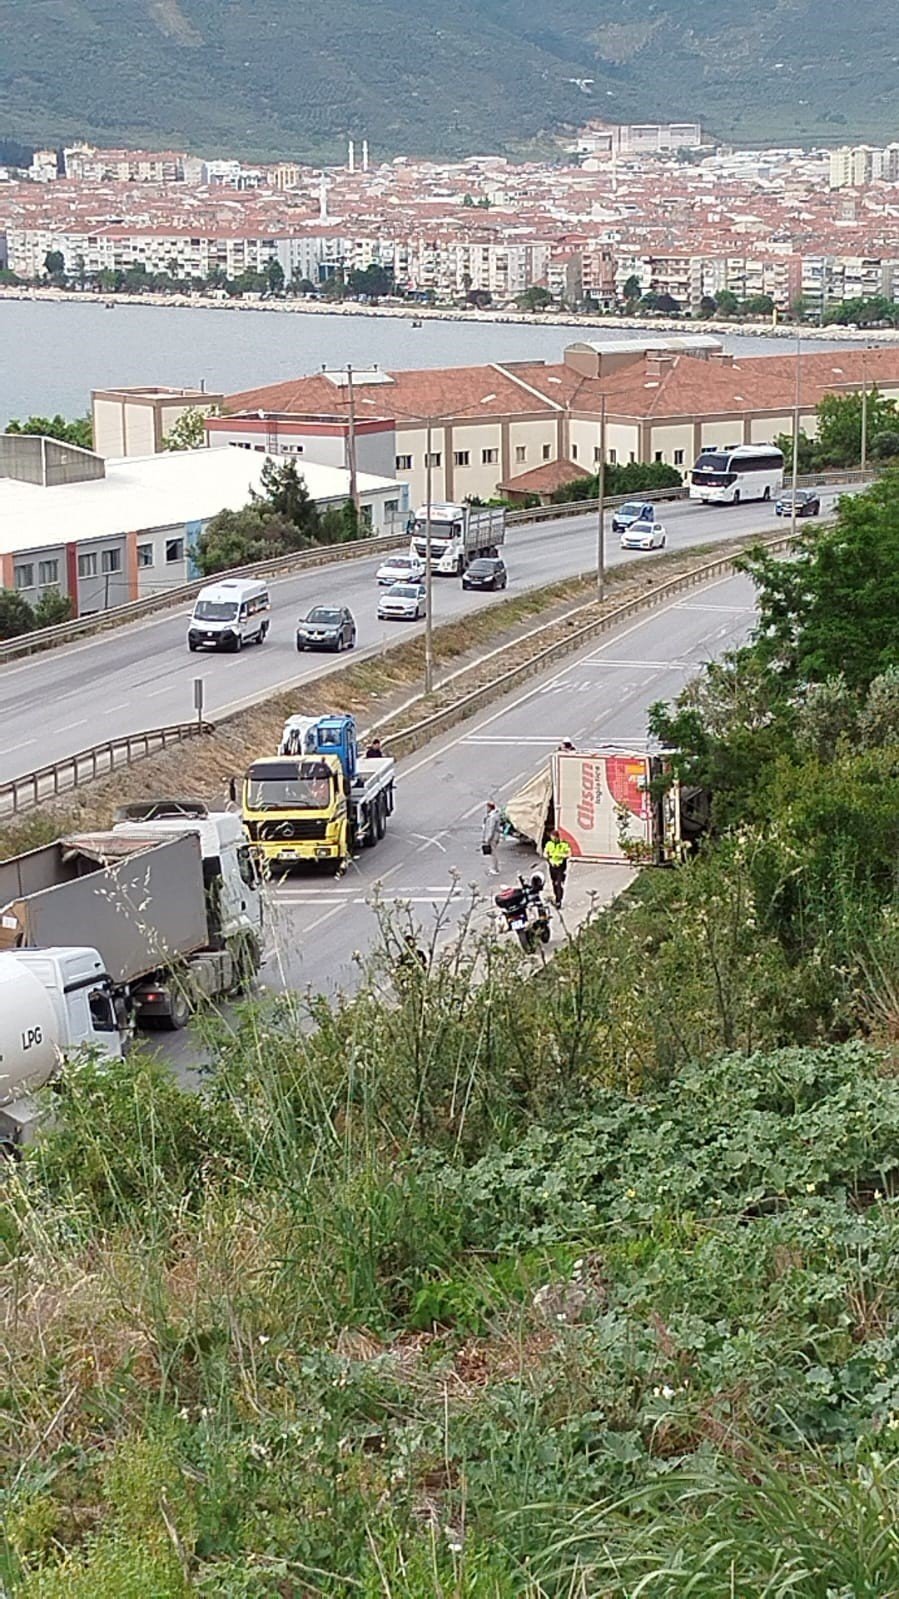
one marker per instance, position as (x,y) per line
(407,313)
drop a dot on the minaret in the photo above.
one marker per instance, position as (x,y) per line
(352,156)
(323,199)
(365,155)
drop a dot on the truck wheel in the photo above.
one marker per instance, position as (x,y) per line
(381,817)
(179,1013)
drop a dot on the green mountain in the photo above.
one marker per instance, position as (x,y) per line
(289,77)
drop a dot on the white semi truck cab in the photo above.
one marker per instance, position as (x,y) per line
(459,534)
(53,1003)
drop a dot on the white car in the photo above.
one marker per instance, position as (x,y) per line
(403,602)
(644,535)
(400,569)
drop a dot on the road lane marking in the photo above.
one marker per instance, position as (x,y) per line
(427,842)
(10,749)
(310,926)
(531,693)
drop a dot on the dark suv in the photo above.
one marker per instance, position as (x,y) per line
(487,572)
(326,627)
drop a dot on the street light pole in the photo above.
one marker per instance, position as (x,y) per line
(864,456)
(795,440)
(601,512)
(429,638)
(351,442)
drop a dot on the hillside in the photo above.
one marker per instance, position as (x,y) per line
(277,77)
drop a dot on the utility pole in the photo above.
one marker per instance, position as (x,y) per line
(864,459)
(601,511)
(429,638)
(795,440)
(351,442)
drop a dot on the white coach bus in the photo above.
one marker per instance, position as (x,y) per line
(727,476)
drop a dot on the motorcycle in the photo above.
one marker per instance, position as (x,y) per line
(525,912)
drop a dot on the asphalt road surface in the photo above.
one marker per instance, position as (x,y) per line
(429,864)
(141,676)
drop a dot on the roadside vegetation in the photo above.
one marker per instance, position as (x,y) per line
(577,1286)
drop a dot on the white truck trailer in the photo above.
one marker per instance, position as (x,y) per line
(610,805)
(459,535)
(170,897)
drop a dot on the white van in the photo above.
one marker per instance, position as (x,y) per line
(230,614)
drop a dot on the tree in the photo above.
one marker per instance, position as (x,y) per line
(54,264)
(284,494)
(373,282)
(806,461)
(884,446)
(274,273)
(16,615)
(707,305)
(839,441)
(79,432)
(188,431)
(479,297)
(81,270)
(240,538)
(52,608)
(334,287)
(632,288)
(631,477)
(535,298)
(757,305)
(728,304)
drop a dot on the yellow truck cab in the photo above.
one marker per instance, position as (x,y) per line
(317,800)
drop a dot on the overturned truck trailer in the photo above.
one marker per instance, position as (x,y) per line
(610,805)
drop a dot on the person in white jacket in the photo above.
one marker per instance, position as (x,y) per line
(491,829)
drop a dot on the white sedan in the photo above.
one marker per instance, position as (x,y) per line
(403,602)
(644,535)
(400,569)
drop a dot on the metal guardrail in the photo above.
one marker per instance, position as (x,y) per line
(24,793)
(67,632)
(45,638)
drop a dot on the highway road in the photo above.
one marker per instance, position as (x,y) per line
(140,676)
(429,865)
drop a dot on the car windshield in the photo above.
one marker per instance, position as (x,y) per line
(323,616)
(401,562)
(483,566)
(290,785)
(215,611)
(631,510)
(405,591)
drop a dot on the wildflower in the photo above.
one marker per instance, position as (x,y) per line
(264,1339)
(810,1188)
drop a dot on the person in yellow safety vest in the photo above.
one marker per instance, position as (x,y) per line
(557,853)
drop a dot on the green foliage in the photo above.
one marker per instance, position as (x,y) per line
(188,431)
(17,616)
(372,282)
(534,299)
(631,477)
(79,432)
(241,538)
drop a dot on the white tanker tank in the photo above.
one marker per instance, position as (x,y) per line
(52,1002)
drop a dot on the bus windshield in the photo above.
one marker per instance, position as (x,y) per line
(712,461)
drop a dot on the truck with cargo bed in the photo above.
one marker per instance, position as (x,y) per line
(459,534)
(319,799)
(170,897)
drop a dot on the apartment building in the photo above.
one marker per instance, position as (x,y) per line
(853,166)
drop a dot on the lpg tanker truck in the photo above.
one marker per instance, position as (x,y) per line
(53,1002)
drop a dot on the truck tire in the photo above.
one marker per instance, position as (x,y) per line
(381,816)
(179,1012)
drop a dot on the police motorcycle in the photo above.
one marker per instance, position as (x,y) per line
(525,912)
